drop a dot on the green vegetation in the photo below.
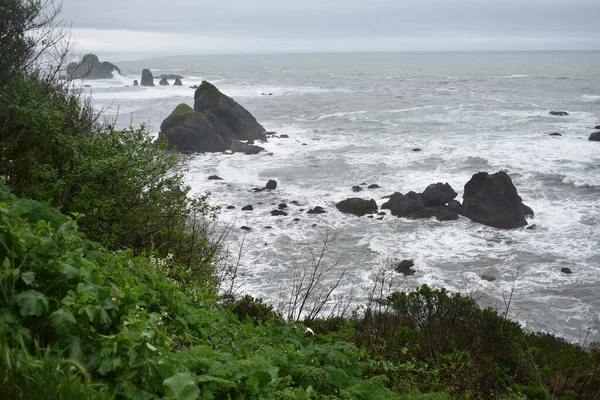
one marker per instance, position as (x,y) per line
(180,111)
(109,288)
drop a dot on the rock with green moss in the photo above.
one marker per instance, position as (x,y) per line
(90,67)
(214,124)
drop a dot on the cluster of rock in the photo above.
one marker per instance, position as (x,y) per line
(216,123)
(90,67)
(148,79)
(595,136)
(488,199)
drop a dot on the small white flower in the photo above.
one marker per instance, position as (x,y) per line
(308,330)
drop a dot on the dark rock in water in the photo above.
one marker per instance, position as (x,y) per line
(445,214)
(214,123)
(284,136)
(248,208)
(248,149)
(316,210)
(454,205)
(163,82)
(595,137)
(135,82)
(566,271)
(423,213)
(295,202)
(532,226)
(488,278)
(282,206)
(268,227)
(356,206)
(391,198)
(256,189)
(415,149)
(401,206)
(147,78)
(597,127)
(178,82)
(357,189)
(493,200)
(245,228)
(382,213)
(438,194)
(370,216)
(559,113)
(215,178)
(278,213)
(527,211)
(296,219)
(373,186)
(405,267)
(231,207)
(90,67)
(194,87)
(555,134)
(87,85)
(271,184)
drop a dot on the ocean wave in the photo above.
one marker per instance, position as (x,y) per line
(341,114)
(591,98)
(515,76)
(401,110)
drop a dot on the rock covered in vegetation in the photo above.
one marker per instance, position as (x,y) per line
(90,67)
(493,200)
(215,122)
(595,137)
(147,78)
(357,206)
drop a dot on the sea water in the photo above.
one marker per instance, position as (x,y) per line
(355,119)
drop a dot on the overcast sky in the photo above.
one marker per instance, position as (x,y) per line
(264,26)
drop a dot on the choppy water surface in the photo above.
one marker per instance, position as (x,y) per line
(354,118)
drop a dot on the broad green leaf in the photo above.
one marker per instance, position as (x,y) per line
(62,320)
(69,271)
(31,302)
(181,386)
(28,277)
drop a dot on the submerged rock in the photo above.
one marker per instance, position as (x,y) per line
(316,210)
(357,206)
(555,134)
(90,67)
(595,137)
(215,122)
(215,178)
(559,113)
(493,200)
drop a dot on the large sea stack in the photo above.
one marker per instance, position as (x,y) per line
(493,200)
(147,78)
(90,67)
(214,124)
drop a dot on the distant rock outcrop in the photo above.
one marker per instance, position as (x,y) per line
(135,82)
(90,67)
(559,113)
(178,82)
(493,200)
(214,124)
(147,78)
(163,82)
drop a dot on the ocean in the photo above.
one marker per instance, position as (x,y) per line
(355,119)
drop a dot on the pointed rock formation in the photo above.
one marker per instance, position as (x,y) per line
(214,124)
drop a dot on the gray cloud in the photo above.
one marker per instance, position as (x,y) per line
(574,23)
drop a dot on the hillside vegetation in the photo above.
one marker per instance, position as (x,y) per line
(109,282)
